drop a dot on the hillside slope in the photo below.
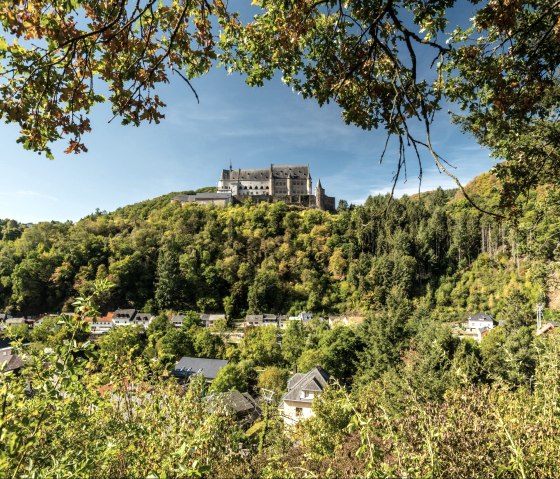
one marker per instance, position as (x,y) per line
(271,257)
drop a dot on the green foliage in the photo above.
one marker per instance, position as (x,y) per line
(293,342)
(121,344)
(273,379)
(311,358)
(271,258)
(55,331)
(260,345)
(56,421)
(240,376)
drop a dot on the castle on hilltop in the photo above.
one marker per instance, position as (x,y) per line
(289,183)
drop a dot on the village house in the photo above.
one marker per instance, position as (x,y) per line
(476,327)
(102,324)
(131,317)
(302,390)
(9,321)
(209,320)
(263,320)
(304,317)
(187,367)
(9,361)
(242,405)
(480,321)
(177,320)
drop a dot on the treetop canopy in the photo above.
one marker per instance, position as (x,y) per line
(388,64)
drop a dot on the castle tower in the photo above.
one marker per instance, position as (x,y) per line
(271,181)
(309,185)
(289,182)
(320,196)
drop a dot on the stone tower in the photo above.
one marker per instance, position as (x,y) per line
(320,196)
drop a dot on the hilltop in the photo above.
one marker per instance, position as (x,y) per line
(278,258)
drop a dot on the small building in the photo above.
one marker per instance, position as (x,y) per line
(124,317)
(9,361)
(262,320)
(208,320)
(177,320)
(480,321)
(102,324)
(143,319)
(131,317)
(14,322)
(243,405)
(209,368)
(303,317)
(302,390)
(547,328)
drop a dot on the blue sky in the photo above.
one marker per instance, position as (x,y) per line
(252,127)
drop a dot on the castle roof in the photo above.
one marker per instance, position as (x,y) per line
(263,174)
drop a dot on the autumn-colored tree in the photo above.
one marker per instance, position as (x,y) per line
(389,64)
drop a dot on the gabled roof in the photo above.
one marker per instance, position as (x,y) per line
(15,363)
(188,366)
(240,403)
(312,386)
(108,318)
(313,381)
(481,317)
(12,360)
(124,313)
(294,380)
(15,320)
(263,174)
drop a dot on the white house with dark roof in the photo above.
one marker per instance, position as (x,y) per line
(480,321)
(302,390)
(209,320)
(177,320)
(263,320)
(303,317)
(131,317)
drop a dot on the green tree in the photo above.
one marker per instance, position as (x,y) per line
(311,358)
(240,376)
(340,347)
(260,345)
(293,342)
(120,344)
(273,379)
(54,330)
(206,344)
(159,327)
(175,344)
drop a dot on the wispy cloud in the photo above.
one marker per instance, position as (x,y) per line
(28,194)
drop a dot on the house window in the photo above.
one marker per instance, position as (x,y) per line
(299,411)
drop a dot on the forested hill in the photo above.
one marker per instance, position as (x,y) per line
(274,258)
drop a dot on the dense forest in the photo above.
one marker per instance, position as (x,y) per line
(407,396)
(275,258)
